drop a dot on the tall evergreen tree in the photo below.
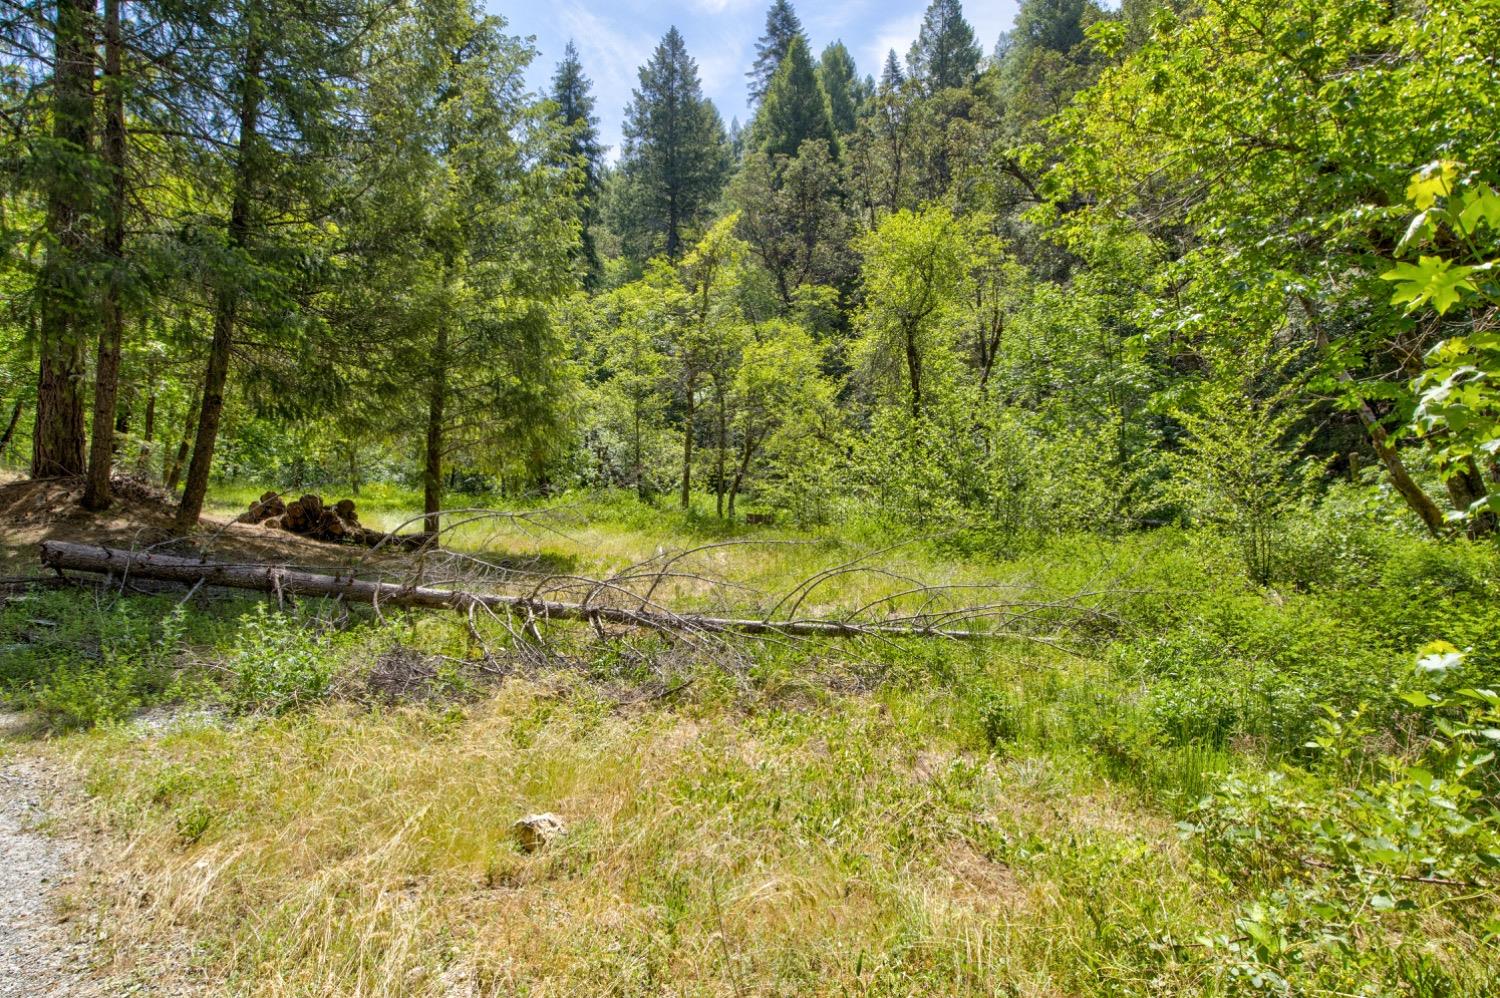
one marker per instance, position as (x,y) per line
(675,157)
(63,298)
(280,74)
(842,86)
(572,93)
(795,108)
(467,242)
(736,139)
(945,54)
(782,25)
(1056,25)
(892,79)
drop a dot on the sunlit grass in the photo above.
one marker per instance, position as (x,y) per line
(865,846)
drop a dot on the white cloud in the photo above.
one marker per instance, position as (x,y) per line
(897,34)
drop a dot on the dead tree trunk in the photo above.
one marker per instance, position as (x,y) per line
(63,555)
(112,333)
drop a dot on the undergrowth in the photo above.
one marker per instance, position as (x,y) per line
(1216,788)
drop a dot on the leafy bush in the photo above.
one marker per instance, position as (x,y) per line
(1350,864)
(83,663)
(278,663)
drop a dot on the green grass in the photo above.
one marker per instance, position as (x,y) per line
(767,817)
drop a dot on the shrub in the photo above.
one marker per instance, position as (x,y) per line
(278,663)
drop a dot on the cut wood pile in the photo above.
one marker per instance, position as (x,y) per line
(311,517)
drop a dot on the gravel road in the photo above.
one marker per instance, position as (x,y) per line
(37,954)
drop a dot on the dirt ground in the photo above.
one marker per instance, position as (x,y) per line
(140,517)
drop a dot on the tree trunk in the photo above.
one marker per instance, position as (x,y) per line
(687,450)
(57,442)
(112,333)
(639,470)
(226,310)
(10,427)
(172,473)
(1419,501)
(1466,488)
(140,565)
(432,468)
(743,470)
(722,445)
(148,430)
(914,373)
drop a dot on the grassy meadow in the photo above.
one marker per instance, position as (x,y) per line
(1194,786)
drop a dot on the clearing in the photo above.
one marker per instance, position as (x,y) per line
(330,809)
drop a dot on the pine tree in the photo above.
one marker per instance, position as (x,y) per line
(571,92)
(736,139)
(795,108)
(1056,25)
(782,25)
(841,84)
(945,54)
(63,297)
(675,158)
(892,79)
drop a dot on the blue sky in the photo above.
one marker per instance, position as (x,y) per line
(614,37)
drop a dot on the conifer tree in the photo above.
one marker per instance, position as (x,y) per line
(675,157)
(1055,25)
(782,25)
(892,79)
(572,93)
(841,85)
(795,108)
(945,54)
(62,290)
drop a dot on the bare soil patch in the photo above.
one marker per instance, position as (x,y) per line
(141,517)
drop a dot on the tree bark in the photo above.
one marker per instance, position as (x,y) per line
(172,473)
(111,334)
(914,372)
(10,427)
(687,448)
(226,309)
(64,555)
(1419,501)
(148,430)
(722,446)
(437,400)
(57,442)
(744,469)
(1466,488)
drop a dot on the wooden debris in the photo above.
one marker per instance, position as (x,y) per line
(61,555)
(311,517)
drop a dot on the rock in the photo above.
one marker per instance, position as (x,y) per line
(537,830)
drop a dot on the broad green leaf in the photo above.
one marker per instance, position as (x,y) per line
(1433,181)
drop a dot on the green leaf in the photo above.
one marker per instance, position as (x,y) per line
(1431,279)
(1433,181)
(1481,204)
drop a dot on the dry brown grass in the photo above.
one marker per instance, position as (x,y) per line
(822,852)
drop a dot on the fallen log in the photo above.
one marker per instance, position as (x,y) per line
(66,556)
